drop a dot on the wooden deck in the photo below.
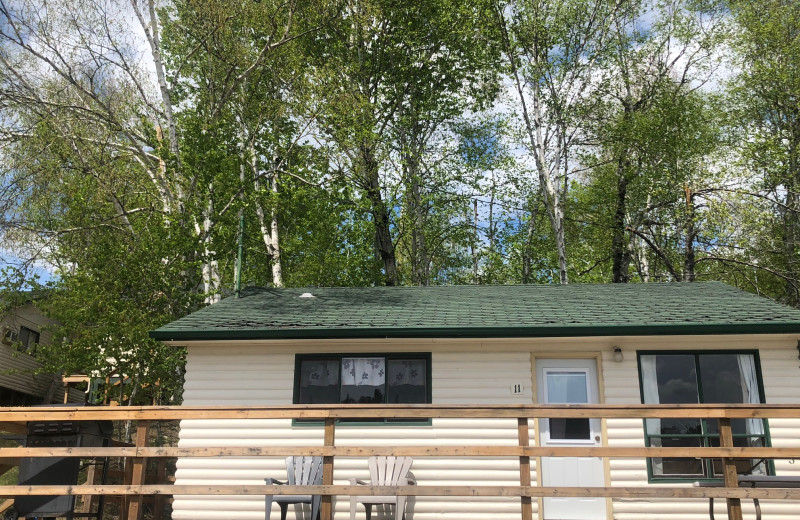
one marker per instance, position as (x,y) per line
(13,420)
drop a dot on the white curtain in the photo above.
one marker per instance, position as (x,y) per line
(650,390)
(650,394)
(320,373)
(363,371)
(407,372)
(749,381)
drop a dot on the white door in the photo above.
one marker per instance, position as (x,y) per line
(570,381)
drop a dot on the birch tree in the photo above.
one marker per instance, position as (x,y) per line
(391,76)
(236,73)
(103,175)
(91,180)
(82,63)
(651,128)
(765,97)
(553,50)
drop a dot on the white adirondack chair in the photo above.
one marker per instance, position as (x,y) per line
(384,471)
(301,471)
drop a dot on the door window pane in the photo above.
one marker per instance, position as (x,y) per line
(570,429)
(567,388)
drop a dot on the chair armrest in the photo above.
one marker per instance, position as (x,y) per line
(271,481)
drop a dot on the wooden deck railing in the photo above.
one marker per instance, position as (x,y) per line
(14,419)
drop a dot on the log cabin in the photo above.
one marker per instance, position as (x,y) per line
(491,345)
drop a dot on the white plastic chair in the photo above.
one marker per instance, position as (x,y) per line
(384,471)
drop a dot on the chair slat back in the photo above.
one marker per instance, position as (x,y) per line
(389,471)
(304,471)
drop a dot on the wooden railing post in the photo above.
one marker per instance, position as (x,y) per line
(524,468)
(326,507)
(139,465)
(729,469)
(89,500)
(161,478)
(6,505)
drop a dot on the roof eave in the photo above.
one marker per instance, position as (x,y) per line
(479,332)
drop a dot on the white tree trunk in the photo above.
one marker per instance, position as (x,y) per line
(277,269)
(641,250)
(644,262)
(212,281)
(550,189)
(150,27)
(269,233)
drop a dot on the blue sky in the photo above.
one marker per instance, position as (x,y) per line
(9,259)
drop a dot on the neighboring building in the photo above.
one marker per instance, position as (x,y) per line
(615,344)
(23,329)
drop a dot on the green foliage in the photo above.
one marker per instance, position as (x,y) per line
(357,137)
(119,270)
(765,97)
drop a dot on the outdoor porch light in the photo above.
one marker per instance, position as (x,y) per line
(618,354)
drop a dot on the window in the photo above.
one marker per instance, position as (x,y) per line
(703,377)
(9,397)
(29,339)
(563,387)
(10,336)
(363,379)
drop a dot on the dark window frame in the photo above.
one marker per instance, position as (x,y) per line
(705,436)
(299,358)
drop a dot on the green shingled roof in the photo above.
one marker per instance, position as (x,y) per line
(485,311)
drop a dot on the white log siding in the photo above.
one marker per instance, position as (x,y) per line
(463,372)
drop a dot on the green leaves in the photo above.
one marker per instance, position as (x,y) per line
(373,142)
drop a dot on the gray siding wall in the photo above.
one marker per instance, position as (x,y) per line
(17,369)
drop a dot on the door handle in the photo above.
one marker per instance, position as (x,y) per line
(596,438)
